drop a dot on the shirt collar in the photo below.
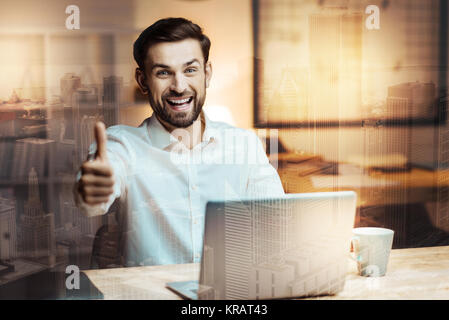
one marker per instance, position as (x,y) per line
(161,138)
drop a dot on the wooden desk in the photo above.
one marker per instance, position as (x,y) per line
(421,273)
(375,188)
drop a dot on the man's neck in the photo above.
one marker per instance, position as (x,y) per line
(189,136)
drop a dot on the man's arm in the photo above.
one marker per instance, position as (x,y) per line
(263,179)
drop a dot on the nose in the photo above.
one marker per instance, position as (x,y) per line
(179,83)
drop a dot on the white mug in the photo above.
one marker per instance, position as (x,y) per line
(372,248)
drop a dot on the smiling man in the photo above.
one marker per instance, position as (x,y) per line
(163,172)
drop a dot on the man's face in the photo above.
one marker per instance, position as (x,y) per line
(176,78)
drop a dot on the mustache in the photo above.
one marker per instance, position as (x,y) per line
(173,94)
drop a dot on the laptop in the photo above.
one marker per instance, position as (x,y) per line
(293,246)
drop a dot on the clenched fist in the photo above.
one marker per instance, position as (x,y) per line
(97,180)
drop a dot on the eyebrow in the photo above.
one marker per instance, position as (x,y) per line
(160,65)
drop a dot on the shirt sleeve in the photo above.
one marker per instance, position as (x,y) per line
(117,153)
(263,179)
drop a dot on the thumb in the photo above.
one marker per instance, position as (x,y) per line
(101,139)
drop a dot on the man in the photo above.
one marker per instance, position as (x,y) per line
(164,172)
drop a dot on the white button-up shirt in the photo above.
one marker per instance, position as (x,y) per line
(163,187)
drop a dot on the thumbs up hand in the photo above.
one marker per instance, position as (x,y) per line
(97,180)
(101,139)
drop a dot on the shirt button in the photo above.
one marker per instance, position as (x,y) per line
(197,255)
(194,187)
(195,221)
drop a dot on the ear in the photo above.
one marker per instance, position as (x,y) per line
(140,78)
(208,71)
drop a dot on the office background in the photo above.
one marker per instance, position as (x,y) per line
(370,118)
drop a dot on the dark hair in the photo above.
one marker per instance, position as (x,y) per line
(169,30)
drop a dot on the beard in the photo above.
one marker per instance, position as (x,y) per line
(179,119)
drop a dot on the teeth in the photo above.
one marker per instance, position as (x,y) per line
(179,101)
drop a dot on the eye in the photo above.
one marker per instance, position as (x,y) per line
(162,73)
(190,70)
